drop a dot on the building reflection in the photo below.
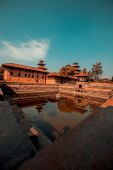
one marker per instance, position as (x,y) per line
(70,107)
(77,104)
(40,105)
(93,107)
(80,102)
(67,105)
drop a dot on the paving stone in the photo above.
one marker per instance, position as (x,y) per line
(15,145)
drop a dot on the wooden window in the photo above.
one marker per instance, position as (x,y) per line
(25,75)
(19,74)
(19,69)
(37,76)
(11,73)
(11,68)
(32,76)
(28,75)
(25,70)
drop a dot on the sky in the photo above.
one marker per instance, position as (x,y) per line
(58,31)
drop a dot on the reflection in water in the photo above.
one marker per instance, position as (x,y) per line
(55,118)
(40,105)
(70,107)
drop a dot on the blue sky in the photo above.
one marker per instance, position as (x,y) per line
(60,31)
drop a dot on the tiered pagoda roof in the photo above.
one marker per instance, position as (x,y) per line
(76,66)
(41,65)
(82,74)
(40,106)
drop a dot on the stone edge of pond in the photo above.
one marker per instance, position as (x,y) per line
(28,129)
(87,146)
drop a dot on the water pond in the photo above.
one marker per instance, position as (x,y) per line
(56,117)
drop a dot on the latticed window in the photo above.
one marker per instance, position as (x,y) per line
(19,74)
(11,73)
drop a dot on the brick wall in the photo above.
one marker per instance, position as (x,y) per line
(11,75)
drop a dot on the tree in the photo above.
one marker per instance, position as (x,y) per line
(90,75)
(97,70)
(1,72)
(84,70)
(67,71)
(112,78)
(67,65)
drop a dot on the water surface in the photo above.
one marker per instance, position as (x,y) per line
(55,118)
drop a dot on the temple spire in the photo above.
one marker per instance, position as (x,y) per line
(76,66)
(41,65)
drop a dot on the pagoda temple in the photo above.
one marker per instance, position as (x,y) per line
(41,65)
(83,76)
(26,74)
(76,66)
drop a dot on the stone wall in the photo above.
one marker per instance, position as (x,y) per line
(28,88)
(95,90)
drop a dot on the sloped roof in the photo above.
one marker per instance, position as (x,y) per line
(54,74)
(75,78)
(41,67)
(23,67)
(41,63)
(82,74)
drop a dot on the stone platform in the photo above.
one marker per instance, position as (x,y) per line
(89,146)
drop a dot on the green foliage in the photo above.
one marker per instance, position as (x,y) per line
(84,70)
(97,70)
(112,78)
(67,71)
(90,75)
(1,71)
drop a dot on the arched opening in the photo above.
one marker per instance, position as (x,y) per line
(80,86)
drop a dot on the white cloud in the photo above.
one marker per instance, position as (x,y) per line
(24,50)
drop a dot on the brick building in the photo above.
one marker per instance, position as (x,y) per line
(26,74)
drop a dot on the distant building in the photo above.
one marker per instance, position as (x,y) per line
(83,77)
(56,78)
(26,74)
(41,65)
(79,75)
(76,67)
